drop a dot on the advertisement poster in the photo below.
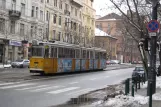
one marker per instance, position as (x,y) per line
(95,64)
(77,65)
(64,65)
(83,64)
(103,63)
(91,64)
(60,65)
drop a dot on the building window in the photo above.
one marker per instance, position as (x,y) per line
(72,9)
(66,23)
(47,1)
(66,7)
(2,4)
(37,12)
(32,11)
(60,4)
(47,16)
(22,29)
(12,30)
(59,36)
(54,34)
(59,20)
(2,25)
(22,9)
(71,24)
(32,27)
(75,12)
(54,18)
(55,3)
(40,33)
(14,4)
(42,1)
(41,15)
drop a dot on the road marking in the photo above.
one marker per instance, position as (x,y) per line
(93,79)
(79,92)
(73,83)
(6,83)
(107,76)
(32,87)
(15,86)
(44,89)
(63,90)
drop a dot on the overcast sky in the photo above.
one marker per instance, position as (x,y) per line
(101,7)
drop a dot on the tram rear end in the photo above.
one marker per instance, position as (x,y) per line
(37,60)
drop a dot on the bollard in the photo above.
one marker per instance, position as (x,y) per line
(127,86)
(132,90)
(139,82)
(150,95)
(136,86)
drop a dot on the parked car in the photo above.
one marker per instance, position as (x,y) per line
(20,63)
(111,62)
(138,71)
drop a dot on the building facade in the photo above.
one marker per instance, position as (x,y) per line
(107,42)
(112,24)
(21,21)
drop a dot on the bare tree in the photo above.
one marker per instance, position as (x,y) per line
(135,20)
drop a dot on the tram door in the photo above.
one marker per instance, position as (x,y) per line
(1,53)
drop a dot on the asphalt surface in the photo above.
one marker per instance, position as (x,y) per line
(57,90)
(23,74)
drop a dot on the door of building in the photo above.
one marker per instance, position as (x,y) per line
(1,53)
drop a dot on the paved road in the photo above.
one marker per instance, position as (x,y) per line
(19,74)
(57,90)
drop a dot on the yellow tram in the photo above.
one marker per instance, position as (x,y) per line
(58,57)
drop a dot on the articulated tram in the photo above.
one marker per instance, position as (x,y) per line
(59,57)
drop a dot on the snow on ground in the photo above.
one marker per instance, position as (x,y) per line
(5,66)
(127,101)
(158,83)
(122,101)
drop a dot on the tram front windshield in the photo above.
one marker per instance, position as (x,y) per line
(37,51)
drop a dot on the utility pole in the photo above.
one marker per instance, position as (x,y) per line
(153,43)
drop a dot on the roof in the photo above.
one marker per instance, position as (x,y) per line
(99,32)
(112,16)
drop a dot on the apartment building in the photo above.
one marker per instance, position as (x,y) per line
(88,22)
(21,21)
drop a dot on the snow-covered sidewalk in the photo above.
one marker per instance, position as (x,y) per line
(139,100)
(5,66)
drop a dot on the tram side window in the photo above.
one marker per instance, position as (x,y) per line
(96,55)
(61,53)
(104,55)
(84,53)
(53,52)
(73,53)
(37,51)
(77,53)
(91,54)
(46,55)
(87,54)
(101,55)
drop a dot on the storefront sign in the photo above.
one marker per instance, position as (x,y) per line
(15,43)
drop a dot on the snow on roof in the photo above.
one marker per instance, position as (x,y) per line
(99,32)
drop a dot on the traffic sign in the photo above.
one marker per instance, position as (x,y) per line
(153,26)
(152,34)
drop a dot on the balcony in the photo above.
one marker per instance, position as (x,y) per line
(67,12)
(14,14)
(77,3)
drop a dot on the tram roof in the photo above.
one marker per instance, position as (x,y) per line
(64,44)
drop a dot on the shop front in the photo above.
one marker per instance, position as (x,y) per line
(14,50)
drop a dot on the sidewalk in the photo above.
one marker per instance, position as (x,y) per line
(5,66)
